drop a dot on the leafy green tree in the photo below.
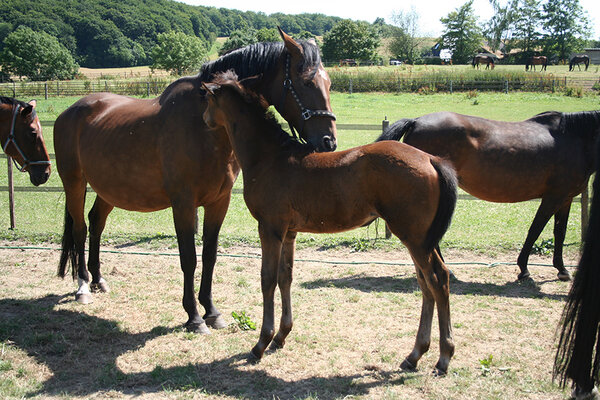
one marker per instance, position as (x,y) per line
(268,35)
(567,25)
(527,21)
(406,42)
(461,34)
(238,39)
(178,53)
(349,39)
(497,31)
(37,56)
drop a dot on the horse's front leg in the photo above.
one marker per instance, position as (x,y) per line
(286,269)
(271,244)
(184,216)
(97,217)
(213,220)
(546,209)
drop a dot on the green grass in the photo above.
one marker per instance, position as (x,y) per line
(477,225)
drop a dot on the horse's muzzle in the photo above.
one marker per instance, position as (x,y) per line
(329,143)
(39,176)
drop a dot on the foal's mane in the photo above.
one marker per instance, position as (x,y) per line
(259,106)
(586,122)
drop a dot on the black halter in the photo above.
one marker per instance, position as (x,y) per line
(306,113)
(11,139)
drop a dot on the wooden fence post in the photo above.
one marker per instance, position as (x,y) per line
(350,86)
(11,193)
(46,90)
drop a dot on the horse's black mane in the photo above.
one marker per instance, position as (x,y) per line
(257,58)
(586,122)
(12,101)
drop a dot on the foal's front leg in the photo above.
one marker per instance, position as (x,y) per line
(271,244)
(286,269)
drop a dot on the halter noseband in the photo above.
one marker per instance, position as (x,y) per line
(306,113)
(11,139)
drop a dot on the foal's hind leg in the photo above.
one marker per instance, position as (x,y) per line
(545,211)
(97,217)
(213,220)
(560,229)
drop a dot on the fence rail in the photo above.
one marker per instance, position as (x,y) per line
(340,83)
(583,199)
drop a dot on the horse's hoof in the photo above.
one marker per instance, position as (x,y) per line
(101,286)
(275,345)
(592,395)
(217,322)
(84,298)
(564,276)
(253,357)
(408,366)
(438,372)
(199,328)
(523,275)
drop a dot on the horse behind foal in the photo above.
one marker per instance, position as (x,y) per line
(549,156)
(21,138)
(151,154)
(414,192)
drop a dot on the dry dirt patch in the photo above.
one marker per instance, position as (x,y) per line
(356,316)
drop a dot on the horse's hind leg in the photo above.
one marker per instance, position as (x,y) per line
(284,279)
(213,220)
(560,229)
(97,217)
(546,209)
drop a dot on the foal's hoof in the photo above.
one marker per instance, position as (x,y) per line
(217,322)
(564,276)
(408,366)
(523,275)
(199,328)
(253,357)
(84,298)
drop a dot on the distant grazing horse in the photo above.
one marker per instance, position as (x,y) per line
(21,138)
(289,189)
(537,60)
(147,155)
(549,156)
(483,59)
(578,355)
(576,60)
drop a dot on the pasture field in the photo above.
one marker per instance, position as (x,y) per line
(356,307)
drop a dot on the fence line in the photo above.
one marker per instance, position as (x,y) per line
(340,83)
(583,199)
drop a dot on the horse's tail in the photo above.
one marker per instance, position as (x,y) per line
(68,248)
(578,354)
(587,63)
(397,129)
(447,203)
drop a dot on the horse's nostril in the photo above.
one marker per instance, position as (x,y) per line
(329,143)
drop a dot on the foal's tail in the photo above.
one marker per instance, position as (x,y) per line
(68,248)
(398,129)
(448,195)
(578,354)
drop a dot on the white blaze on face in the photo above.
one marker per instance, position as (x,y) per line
(324,74)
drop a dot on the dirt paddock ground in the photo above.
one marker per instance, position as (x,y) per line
(355,315)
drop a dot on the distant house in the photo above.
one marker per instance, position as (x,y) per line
(438,52)
(594,55)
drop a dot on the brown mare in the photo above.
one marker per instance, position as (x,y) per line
(21,138)
(578,354)
(549,156)
(576,60)
(536,60)
(483,59)
(289,189)
(147,155)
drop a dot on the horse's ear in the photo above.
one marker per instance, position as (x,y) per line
(210,87)
(290,44)
(32,103)
(28,110)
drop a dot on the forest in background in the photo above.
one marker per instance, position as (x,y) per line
(119,33)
